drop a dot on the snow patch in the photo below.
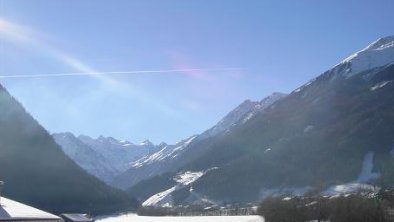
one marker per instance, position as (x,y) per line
(165,199)
(248,117)
(297,90)
(161,199)
(348,188)
(380,85)
(188,177)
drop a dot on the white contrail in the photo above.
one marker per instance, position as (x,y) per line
(19,34)
(111,73)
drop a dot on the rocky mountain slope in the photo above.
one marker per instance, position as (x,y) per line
(37,172)
(171,157)
(334,130)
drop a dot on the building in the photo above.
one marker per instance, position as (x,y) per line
(17,212)
(76,218)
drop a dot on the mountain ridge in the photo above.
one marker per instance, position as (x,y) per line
(93,153)
(175,154)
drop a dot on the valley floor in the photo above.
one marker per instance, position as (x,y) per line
(136,218)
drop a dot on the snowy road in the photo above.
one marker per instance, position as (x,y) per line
(135,218)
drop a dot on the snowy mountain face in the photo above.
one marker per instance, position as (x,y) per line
(242,113)
(152,165)
(171,157)
(119,152)
(167,151)
(377,54)
(87,158)
(104,157)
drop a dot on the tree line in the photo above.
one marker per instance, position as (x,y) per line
(358,207)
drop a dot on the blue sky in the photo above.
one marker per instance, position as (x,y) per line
(277,46)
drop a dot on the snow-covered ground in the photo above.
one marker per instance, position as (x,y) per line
(188,177)
(164,198)
(135,218)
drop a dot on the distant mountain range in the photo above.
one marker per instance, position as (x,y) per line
(104,157)
(37,172)
(123,164)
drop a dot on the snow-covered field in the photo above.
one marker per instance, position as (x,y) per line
(165,198)
(135,218)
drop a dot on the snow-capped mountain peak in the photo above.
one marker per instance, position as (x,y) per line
(381,43)
(146,143)
(104,157)
(378,53)
(243,113)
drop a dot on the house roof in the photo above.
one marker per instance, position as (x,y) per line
(12,210)
(77,217)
